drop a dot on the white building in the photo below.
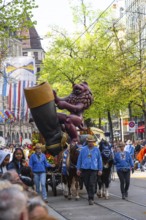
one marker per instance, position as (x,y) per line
(119,18)
(136,19)
(31,45)
(20,129)
(118,9)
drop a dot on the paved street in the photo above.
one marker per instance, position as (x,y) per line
(113,209)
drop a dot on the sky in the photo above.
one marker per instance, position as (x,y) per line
(58,12)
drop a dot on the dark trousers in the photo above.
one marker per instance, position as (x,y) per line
(143,161)
(124,178)
(90,180)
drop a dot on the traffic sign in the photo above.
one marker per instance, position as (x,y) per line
(131,126)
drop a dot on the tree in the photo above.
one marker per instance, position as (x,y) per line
(14,17)
(71,61)
(101,57)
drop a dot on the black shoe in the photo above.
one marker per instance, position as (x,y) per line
(126,194)
(123,196)
(91,202)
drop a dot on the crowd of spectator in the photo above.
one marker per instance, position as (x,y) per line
(19,199)
(20,179)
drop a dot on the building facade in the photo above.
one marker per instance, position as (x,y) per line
(31,46)
(118,9)
(136,19)
(17,130)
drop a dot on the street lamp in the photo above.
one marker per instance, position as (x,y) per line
(121,126)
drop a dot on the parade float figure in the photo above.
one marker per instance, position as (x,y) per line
(79,100)
(41,100)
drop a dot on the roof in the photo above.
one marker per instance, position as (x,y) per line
(35,42)
(31,39)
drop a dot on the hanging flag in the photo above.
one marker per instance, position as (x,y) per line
(1,86)
(20,73)
(29,67)
(6,85)
(20,68)
(16,100)
(9,116)
(3,116)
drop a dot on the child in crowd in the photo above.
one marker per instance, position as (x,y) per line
(17,160)
(4,160)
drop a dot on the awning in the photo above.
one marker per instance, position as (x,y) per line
(140,129)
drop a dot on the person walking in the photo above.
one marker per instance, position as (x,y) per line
(39,164)
(89,165)
(142,158)
(129,148)
(124,163)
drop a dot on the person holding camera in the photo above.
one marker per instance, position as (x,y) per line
(124,164)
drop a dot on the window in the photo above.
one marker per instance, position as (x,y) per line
(38,69)
(36,55)
(121,12)
(17,138)
(1,133)
(25,54)
(13,137)
(21,134)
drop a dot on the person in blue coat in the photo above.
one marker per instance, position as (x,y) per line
(124,163)
(39,164)
(129,148)
(89,165)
